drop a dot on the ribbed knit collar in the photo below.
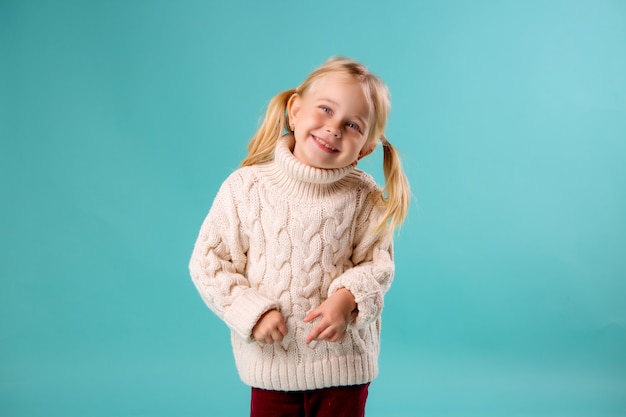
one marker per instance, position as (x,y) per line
(298,180)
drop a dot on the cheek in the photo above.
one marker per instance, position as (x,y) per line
(316,117)
(364,149)
(362,143)
(355,149)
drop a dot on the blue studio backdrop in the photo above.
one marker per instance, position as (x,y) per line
(119,121)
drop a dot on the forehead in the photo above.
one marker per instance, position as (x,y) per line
(343,90)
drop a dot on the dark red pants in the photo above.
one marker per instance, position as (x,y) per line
(328,402)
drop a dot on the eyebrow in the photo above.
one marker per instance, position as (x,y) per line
(333,102)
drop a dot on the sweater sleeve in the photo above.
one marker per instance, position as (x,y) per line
(371,276)
(218,264)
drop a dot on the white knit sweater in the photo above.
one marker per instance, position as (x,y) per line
(283,235)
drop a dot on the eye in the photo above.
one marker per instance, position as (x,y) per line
(326,109)
(354,126)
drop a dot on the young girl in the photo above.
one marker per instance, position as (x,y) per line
(295,254)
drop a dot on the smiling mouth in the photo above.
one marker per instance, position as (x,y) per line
(325,145)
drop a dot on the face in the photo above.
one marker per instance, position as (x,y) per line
(331,123)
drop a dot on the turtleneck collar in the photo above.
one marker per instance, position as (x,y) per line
(298,180)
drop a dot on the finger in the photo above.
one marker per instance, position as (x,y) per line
(314,334)
(277,336)
(337,337)
(258,335)
(313,314)
(329,333)
(282,328)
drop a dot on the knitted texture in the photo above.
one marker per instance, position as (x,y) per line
(283,235)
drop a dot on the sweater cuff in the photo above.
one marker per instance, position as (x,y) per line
(368,298)
(246,310)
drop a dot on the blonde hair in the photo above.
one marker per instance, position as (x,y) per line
(395,194)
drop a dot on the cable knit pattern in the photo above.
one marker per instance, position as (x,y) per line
(283,235)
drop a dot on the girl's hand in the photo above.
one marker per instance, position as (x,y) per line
(336,313)
(270,328)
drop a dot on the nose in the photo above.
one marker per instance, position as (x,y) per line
(333,128)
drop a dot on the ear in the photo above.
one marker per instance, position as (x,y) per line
(293,108)
(367,149)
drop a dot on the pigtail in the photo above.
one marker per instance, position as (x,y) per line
(262,144)
(396,192)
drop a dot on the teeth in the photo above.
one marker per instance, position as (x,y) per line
(325,144)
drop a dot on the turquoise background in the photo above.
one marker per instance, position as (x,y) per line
(119,120)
